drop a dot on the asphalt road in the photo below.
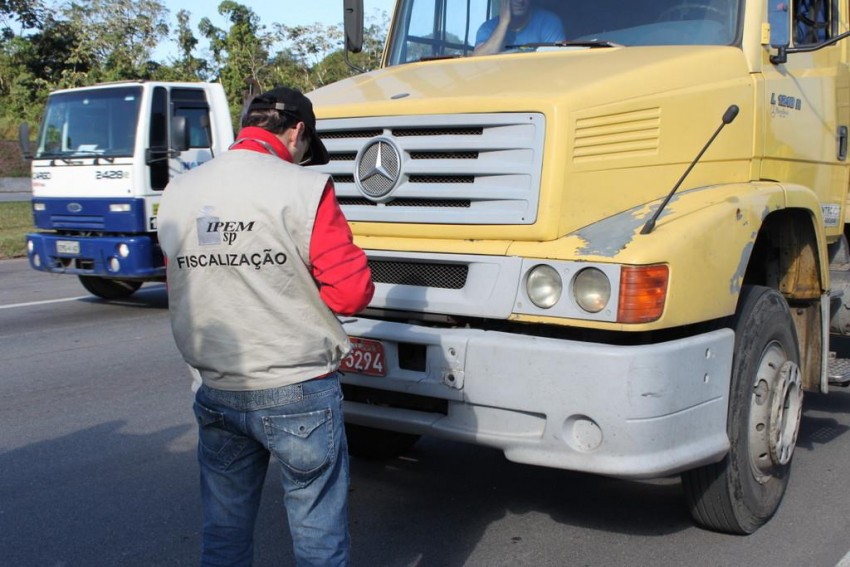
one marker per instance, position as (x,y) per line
(97,468)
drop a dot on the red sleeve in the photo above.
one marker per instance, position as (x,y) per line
(339,266)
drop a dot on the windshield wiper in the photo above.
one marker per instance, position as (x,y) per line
(572,43)
(438,57)
(96,154)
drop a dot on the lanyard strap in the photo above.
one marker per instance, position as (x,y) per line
(263,143)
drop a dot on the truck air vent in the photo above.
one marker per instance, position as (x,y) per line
(443,155)
(441,179)
(621,135)
(78,222)
(348,134)
(346,156)
(454,169)
(419,274)
(438,131)
(354,201)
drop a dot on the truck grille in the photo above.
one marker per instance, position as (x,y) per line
(470,169)
(420,274)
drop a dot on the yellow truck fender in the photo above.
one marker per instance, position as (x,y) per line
(708,237)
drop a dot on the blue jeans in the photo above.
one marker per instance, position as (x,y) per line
(301,426)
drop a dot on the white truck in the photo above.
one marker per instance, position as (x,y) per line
(102,158)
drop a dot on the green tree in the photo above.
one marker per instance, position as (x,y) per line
(28,12)
(240,54)
(317,51)
(187,66)
(119,35)
(33,65)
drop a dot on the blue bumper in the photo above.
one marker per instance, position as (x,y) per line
(96,256)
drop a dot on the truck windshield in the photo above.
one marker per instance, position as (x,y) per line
(425,29)
(99,122)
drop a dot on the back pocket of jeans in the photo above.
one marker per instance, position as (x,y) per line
(303,443)
(219,445)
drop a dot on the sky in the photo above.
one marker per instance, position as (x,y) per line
(287,12)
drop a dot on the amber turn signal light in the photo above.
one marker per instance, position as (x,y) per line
(643,291)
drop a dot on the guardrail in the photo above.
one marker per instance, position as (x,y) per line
(15,185)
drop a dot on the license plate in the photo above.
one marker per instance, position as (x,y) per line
(366,357)
(67,247)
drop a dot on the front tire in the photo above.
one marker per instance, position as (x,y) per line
(743,491)
(108,288)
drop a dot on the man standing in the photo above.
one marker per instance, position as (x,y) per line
(260,257)
(518,24)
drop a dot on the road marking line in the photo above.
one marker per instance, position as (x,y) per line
(46,302)
(845,561)
(49,301)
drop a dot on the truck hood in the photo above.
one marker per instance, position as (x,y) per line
(529,81)
(621,125)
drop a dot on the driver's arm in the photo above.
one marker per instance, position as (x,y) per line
(496,42)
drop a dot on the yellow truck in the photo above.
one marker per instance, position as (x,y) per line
(621,252)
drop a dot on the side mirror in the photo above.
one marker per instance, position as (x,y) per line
(24,139)
(353,18)
(779,18)
(179,134)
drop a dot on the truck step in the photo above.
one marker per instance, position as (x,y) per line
(839,371)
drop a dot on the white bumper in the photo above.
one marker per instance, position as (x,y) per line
(627,411)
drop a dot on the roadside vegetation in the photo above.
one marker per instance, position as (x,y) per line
(53,44)
(15,222)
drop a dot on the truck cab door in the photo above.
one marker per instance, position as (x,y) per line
(163,159)
(807,111)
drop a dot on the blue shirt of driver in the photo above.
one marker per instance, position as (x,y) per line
(543,26)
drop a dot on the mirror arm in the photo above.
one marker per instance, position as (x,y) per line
(350,64)
(783,51)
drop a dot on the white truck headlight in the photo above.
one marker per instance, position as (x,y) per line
(592,290)
(544,286)
(123,250)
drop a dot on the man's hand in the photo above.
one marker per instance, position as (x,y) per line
(495,43)
(505,13)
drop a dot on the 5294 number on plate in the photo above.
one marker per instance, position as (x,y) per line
(366,357)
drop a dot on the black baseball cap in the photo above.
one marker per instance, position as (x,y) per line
(294,103)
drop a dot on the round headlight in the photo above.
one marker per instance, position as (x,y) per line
(544,286)
(30,246)
(114,264)
(592,290)
(123,250)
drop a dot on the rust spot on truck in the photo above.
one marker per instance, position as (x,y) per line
(737,280)
(611,235)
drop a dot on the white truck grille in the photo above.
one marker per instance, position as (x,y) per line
(437,169)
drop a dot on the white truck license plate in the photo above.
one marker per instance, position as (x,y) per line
(67,247)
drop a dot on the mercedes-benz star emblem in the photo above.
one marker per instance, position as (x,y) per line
(377,169)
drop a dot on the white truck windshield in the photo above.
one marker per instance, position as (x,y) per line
(98,122)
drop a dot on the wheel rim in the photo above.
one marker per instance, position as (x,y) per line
(775,410)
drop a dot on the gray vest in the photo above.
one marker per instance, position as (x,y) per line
(245,310)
